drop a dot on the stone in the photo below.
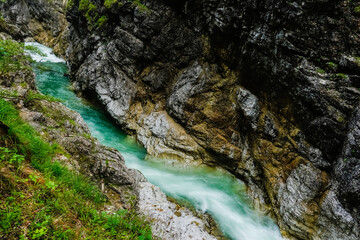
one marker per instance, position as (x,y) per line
(170,221)
(42,20)
(249,105)
(303,185)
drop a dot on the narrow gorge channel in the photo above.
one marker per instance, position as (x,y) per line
(209,190)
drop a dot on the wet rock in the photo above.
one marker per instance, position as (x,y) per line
(164,138)
(41,19)
(187,85)
(270,128)
(325,132)
(336,222)
(347,168)
(170,220)
(249,106)
(112,86)
(350,64)
(303,186)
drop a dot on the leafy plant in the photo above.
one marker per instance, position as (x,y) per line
(109,3)
(69,4)
(40,232)
(33,178)
(9,217)
(11,156)
(320,70)
(357,60)
(51,185)
(101,21)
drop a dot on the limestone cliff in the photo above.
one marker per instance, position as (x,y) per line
(42,20)
(266,89)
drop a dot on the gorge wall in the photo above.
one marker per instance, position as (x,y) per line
(265,89)
(42,20)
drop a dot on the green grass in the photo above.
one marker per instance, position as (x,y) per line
(8,93)
(31,96)
(42,199)
(12,57)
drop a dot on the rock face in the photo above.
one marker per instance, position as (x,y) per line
(42,20)
(266,89)
(105,166)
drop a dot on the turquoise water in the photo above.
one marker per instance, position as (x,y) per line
(210,190)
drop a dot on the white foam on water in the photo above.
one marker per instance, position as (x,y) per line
(49,55)
(205,190)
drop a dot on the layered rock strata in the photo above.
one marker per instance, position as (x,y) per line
(42,20)
(267,90)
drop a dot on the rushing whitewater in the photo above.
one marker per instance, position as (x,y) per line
(48,54)
(209,190)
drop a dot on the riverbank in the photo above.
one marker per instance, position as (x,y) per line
(82,153)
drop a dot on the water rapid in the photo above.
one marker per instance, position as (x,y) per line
(210,190)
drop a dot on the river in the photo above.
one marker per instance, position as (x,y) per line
(207,189)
